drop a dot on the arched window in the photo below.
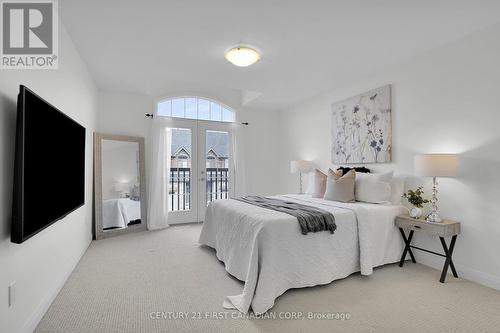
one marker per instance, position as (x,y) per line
(194,108)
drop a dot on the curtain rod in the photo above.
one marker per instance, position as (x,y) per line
(150,115)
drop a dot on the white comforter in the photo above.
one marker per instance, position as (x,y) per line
(119,212)
(266,249)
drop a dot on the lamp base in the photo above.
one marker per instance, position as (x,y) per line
(434,218)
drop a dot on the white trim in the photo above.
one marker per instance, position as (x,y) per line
(467,273)
(203,127)
(35,317)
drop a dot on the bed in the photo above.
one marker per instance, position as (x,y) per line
(266,249)
(119,213)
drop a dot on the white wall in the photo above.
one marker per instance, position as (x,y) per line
(119,165)
(125,114)
(443,101)
(41,265)
(261,151)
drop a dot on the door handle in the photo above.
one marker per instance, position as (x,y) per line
(202,179)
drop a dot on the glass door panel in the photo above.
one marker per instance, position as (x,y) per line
(179,182)
(214,140)
(182,181)
(217,165)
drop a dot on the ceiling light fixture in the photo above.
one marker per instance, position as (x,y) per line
(242,56)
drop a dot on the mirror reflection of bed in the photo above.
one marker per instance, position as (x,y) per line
(121,205)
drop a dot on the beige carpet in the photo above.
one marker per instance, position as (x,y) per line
(121,281)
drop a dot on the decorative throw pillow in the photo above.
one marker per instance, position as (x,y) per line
(357,169)
(374,187)
(319,184)
(340,188)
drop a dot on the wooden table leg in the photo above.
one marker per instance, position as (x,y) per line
(449,260)
(407,247)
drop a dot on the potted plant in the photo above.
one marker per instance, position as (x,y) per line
(415,198)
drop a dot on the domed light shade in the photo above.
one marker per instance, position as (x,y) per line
(242,56)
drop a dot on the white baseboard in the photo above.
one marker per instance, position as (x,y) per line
(467,273)
(33,320)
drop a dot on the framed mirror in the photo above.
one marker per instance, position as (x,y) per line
(119,185)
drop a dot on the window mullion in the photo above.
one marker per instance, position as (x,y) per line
(209,103)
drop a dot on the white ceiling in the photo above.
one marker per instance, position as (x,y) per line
(167,47)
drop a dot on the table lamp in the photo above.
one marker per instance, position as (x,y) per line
(122,188)
(300,166)
(436,165)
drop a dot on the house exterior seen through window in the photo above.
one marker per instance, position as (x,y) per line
(215,163)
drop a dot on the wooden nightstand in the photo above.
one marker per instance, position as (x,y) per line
(443,229)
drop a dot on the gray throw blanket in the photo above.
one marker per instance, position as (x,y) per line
(311,219)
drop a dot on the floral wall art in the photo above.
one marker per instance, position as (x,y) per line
(361,128)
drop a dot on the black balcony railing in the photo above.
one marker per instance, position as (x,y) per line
(179,186)
(217,183)
(179,189)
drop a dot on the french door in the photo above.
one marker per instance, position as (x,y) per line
(200,167)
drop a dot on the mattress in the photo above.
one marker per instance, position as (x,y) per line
(117,213)
(265,248)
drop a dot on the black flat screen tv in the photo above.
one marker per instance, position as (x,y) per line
(49,172)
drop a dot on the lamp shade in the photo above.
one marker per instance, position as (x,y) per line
(436,165)
(242,56)
(301,166)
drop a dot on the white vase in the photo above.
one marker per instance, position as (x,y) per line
(415,212)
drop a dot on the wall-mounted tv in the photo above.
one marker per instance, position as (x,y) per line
(49,173)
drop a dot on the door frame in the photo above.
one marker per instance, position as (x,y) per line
(191,215)
(203,126)
(198,128)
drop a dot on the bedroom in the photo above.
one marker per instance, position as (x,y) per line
(433,64)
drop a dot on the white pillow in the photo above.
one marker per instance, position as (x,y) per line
(374,187)
(310,183)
